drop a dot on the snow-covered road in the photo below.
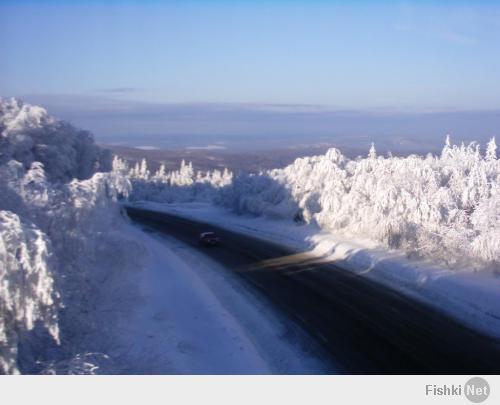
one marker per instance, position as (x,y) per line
(195,317)
(362,325)
(472,297)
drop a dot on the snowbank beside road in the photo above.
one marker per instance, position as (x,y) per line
(472,297)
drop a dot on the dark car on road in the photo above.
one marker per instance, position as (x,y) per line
(209,239)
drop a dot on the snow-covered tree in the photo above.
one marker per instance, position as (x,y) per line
(372,154)
(443,206)
(59,224)
(491,150)
(119,165)
(29,134)
(179,185)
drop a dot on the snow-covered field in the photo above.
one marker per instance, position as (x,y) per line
(470,296)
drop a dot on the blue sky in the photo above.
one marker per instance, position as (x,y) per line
(375,57)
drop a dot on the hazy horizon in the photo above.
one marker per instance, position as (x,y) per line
(238,126)
(401,72)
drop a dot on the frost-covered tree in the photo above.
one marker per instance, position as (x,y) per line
(27,293)
(28,134)
(120,166)
(179,185)
(60,239)
(491,150)
(372,154)
(446,207)
(143,170)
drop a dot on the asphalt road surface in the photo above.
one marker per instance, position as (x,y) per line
(362,325)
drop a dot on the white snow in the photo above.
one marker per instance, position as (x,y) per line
(470,296)
(193,317)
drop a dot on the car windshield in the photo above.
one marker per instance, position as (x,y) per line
(208,234)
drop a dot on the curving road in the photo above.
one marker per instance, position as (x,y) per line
(365,327)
